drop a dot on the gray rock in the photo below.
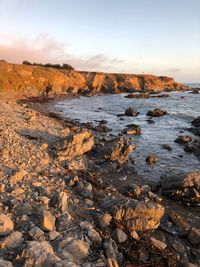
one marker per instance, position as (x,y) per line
(36,233)
(77,248)
(194,236)
(5,263)
(63,222)
(119,236)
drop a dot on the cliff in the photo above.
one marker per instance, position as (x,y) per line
(38,80)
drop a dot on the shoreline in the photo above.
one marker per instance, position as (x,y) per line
(44,178)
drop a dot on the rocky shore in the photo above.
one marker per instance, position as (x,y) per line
(58,208)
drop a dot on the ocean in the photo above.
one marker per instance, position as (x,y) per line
(182,108)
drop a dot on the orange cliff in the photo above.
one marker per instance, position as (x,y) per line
(38,80)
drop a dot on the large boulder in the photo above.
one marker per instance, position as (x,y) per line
(119,149)
(134,214)
(185,187)
(40,254)
(75,144)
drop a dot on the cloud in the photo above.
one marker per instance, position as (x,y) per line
(44,48)
(174,70)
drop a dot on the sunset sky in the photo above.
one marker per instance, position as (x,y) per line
(159,37)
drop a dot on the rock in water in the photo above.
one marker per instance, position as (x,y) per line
(196,122)
(185,187)
(119,149)
(183,139)
(6,225)
(130,112)
(151,159)
(156,112)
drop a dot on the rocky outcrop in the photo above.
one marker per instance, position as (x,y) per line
(75,144)
(136,215)
(118,150)
(184,187)
(39,80)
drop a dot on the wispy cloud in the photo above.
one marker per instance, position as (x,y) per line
(174,70)
(44,48)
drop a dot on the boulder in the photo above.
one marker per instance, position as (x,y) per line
(185,187)
(134,214)
(75,144)
(40,254)
(119,149)
(79,249)
(156,112)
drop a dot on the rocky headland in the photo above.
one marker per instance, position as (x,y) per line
(31,80)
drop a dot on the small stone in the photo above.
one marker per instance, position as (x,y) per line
(12,241)
(135,235)
(53,235)
(63,222)
(158,243)
(24,218)
(89,202)
(145,188)
(59,200)
(86,225)
(105,220)
(47,221)
(36,233)
(119,236)
(194,236)
(18,176)
(134,189)
(6,225)
(178,247)
(111,263)
(94,236)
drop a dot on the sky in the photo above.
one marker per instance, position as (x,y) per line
(160,37)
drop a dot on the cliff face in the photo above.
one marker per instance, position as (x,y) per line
(34,80)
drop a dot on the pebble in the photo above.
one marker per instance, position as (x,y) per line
(6,225)
(105,220)
(47,221)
